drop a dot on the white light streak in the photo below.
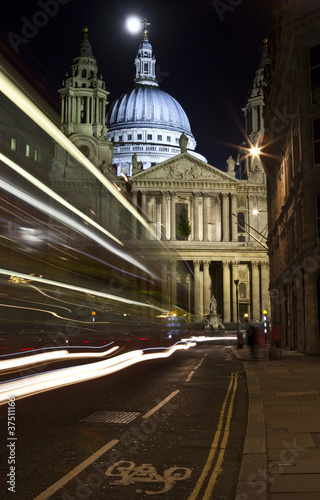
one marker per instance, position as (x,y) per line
(97,293)
(56,214)
(11,90)
(45,357)
(52,194)
(58,378)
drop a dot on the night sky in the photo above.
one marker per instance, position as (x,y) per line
(207,53)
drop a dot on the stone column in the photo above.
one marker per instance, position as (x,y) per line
(235,275)
(234,227)
(134,220)
(206,201)
(163,225)
(188,285)
(225,217)
(63,118)
(265,279)
(206,287)
(196,221)
(226,292)
(255,286)
(196,265)
(144,213)
(173,283)
(173,216)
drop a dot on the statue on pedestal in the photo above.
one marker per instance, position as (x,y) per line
(213,320)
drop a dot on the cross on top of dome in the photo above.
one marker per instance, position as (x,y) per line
(145,31)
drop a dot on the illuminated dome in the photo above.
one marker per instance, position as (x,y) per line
(146,121)
(146,106)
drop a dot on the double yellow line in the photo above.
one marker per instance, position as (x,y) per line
(223,430)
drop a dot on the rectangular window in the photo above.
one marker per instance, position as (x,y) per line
(139,137)
(36,154)
(177,140)
(28,150)
(149,137)
(314,54)
(168,138)
(145,67)
(159,138)
(120,138)
(13,144)
(129,137)
(316,140)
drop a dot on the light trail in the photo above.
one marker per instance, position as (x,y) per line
(36,384)
(17,96)
(104,295)
(53,314)
(56,214)
(55,196)
(56,355)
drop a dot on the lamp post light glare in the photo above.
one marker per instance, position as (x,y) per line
(254,151)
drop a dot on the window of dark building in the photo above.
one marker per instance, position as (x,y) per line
(314,55)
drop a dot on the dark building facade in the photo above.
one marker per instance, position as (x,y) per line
(291,157)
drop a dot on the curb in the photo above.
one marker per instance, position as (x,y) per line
(252,482)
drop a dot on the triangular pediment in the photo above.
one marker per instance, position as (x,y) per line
(183,167)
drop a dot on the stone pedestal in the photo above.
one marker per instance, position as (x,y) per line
(214,322)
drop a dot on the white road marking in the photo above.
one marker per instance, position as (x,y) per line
(65,479)
(162,403)
(189,377)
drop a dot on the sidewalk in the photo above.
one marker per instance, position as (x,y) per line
(281,457)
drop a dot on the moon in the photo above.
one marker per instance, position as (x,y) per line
(133,24)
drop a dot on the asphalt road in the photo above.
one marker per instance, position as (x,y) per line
(170,429)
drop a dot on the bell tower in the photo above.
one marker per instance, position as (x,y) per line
(84,95)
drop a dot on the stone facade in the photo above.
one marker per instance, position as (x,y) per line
(292,163)
(218,249)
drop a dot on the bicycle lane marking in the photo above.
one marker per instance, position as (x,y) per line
(215,444)
(77,470)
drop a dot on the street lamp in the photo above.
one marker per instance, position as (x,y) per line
(239,335)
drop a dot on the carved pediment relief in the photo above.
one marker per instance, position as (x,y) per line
(183,167)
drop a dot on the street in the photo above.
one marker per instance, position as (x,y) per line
(173,428)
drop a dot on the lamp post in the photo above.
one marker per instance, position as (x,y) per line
(239,334)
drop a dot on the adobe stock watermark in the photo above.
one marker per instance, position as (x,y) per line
(131,440)
(221,7)
(296,276)
(258,482)
(279,121)
(30,27)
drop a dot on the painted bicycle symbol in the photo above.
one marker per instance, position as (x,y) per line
(146,473)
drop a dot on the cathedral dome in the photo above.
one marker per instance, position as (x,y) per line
(148,106)
(146,122)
